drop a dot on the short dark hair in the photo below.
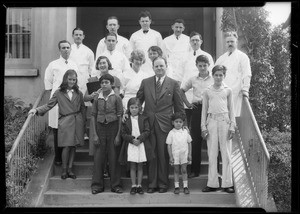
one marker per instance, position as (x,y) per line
(77,28)
(107,77)
(160,57)
(178,115)
(112,17)
(156,49)
(132,101)
(145,14)
(194,33)
(219,68)
(107,60)
(179,21)
(64,84)
(202,58)
(63,41)
(111,34)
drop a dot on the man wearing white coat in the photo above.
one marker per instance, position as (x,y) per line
(146,37)
(123,44)
(238,74)
(53,78)
(176,47)
(84,58)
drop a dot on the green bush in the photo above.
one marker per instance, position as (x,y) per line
(279,177)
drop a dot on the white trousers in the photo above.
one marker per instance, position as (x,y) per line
(218,127)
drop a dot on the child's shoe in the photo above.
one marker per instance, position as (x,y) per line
(176,190)
(186,190)
(139,190)
(133,191)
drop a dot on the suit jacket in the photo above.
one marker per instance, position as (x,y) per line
(161,108)
(128,138)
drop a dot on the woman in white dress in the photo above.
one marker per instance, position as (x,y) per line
(134,77)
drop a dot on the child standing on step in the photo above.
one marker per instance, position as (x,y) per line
(136,145)
(106,114)
(179,149)
(71,119)
(218,126)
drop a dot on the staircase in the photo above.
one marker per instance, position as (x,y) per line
(77,193)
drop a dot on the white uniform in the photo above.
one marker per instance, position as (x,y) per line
(176,50)
(122,45)
(132,83)
(143,41)
(53,78)
(238,75)
(84,58)
(188,69)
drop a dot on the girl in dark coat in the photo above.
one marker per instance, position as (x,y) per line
(71,119)
(136,147)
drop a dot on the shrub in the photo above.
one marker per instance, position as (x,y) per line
(279,177)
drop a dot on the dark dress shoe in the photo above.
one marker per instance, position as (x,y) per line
(117,190)
(140,190)
(163,190)
(64,176)
(209,189)
(71,175)
(133,190)
(186,190)
(151,190)
(96,191)
(229,190)
(176,190)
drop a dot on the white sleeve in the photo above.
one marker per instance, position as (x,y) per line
(48,79)
(169,139)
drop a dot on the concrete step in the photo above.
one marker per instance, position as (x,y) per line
(84,198)
(84,182)
(86,168)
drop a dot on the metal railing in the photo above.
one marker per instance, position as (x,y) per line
(255,150)
(20,156)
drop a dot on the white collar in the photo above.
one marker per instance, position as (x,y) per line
(101,94)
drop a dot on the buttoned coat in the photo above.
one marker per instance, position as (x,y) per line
(162,107)
(71,117)
(127,138)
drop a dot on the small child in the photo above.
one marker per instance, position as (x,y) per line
(71,121)
(218,125)
(179,148)
(136,145)
(106,114)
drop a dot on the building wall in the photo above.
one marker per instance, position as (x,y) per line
(49,26)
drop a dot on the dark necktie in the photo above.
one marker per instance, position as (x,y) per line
(194,53)
(229,53)
(177,37)
(66,62)
(145,31)
(158,84)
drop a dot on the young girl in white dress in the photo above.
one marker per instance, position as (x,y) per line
(136,145)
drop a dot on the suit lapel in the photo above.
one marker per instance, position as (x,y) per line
(152,87)
(165,86)
(74,96)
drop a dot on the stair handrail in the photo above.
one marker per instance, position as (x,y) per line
(20,150)
(256,154)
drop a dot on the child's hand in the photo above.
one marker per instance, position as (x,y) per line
(32,111)
(230,134)
(125,116)
(136,142)
(171,160)
(204,134)
(95,94)
(96,140)
(117,141)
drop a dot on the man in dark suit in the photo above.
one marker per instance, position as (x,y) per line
(161,95)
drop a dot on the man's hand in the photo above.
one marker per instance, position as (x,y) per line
(125,116)
(230,134)
(204,134)
(171,160)
(189,159)
(96,140)
(117,141)
(245,94)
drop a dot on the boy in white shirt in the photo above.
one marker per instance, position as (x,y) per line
(179,149)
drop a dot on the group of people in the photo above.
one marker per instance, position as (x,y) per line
(156,109)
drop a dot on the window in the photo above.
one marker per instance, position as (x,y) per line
(18,35)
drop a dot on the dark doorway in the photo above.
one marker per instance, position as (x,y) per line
(93,21)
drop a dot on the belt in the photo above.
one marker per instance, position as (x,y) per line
(64,115)
(218,115)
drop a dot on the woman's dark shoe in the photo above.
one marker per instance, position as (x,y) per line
(71,175)
(229,190)
(209,189)
(133,190)
(117,190)
(64,176)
